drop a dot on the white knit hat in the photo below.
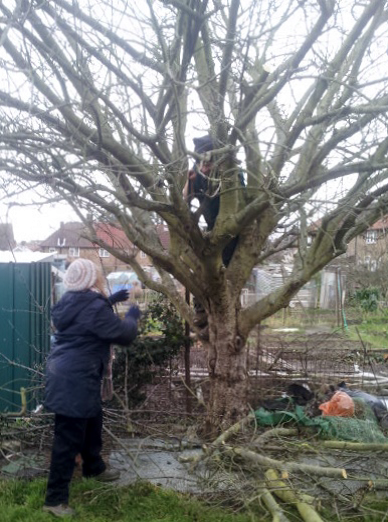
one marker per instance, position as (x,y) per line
(81,275)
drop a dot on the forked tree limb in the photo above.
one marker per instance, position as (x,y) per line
(272,506)
(268,462)
(235,428)
(285,493)
(220,440)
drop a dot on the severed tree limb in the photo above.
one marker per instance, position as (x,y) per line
(275,432)
(354,446)
(285,493)
(220,440)
(267,462)
(374,483)
(378,484)
(235,428)
(23,410)
(272,506)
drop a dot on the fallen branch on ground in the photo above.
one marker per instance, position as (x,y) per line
(275,432)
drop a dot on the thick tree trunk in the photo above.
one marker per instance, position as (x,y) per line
(227,359)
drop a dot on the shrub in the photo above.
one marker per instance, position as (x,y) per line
(161,336)
(367,298)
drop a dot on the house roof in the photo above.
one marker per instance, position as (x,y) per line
(28,246)
(112,236)
(72,235)
(382,224)
(68,235)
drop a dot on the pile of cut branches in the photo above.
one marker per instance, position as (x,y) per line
(296,475)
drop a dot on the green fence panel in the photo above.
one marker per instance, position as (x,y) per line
(25,300)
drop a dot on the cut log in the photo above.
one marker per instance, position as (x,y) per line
(355,446)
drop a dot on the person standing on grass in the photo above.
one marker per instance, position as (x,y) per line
(85,327)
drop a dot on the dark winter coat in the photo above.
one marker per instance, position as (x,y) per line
(207,193)
(85,327)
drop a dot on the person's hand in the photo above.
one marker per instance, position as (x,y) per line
(187,191)
(118,297)
(134,312)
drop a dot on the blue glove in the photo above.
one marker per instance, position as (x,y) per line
(134,312)
(118,297)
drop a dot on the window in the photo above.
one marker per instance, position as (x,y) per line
(103,253)
(52,250)
(371,236)
(143,255)
(74,252)
(61,242)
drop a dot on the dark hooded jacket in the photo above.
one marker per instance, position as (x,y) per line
(205,190)
(85,327)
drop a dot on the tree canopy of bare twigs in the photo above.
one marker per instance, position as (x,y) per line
(99,103)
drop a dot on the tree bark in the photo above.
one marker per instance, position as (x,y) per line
(228,377)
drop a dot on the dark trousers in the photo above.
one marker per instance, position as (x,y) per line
(227,255)
(228,251)
(71,437)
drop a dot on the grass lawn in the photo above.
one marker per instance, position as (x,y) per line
(371,327)
(373,331)
(22,501)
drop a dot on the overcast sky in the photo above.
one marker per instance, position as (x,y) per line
(32,222)
(37,223)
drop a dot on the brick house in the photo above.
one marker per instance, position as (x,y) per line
(371,248)
(70,242)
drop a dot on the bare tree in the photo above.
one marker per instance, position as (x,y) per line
(99,103)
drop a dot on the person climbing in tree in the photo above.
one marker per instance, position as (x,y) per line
(202,184)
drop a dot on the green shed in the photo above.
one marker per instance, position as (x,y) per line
(25,300)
